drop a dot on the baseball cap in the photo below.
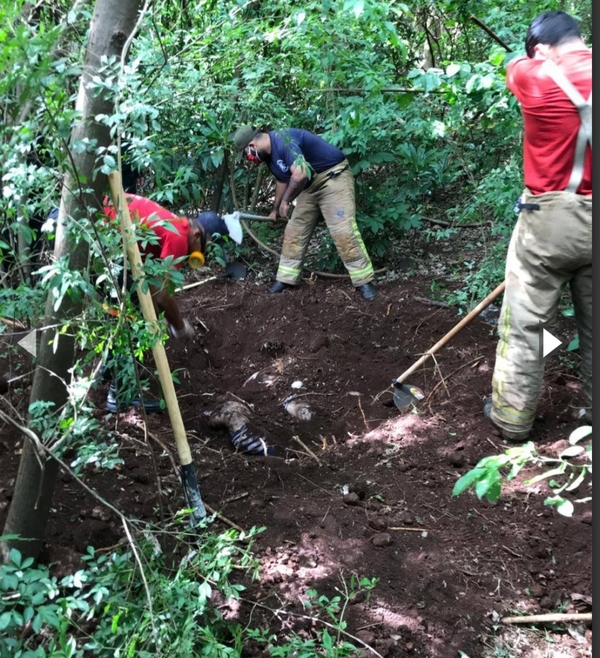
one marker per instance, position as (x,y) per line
(212,223)
(243,136)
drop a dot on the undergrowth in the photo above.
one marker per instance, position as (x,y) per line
(145,600)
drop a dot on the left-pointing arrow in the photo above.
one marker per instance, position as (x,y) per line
(29,343)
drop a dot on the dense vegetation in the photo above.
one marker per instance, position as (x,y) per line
(414,93)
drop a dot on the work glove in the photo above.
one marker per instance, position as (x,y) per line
(186,332)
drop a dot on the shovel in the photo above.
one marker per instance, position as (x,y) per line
(406,394)
(234,224)
(235,270)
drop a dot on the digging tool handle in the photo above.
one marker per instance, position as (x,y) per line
(450,335)
(260,218)
(188,473)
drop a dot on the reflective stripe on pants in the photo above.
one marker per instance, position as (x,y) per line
(331,198)
(550,248)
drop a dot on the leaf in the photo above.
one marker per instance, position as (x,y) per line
(15,556)
(452,69)
(327,641)
(580,433)
(548,474)
(488,485)
(574,344)
(5,619)
(566,508)
(572,451)
(463,483)
(563,506)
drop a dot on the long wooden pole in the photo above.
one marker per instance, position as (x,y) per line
(450,335)
(188,471)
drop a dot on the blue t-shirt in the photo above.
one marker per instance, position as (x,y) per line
(289,146)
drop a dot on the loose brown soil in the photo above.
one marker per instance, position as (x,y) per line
(361,488)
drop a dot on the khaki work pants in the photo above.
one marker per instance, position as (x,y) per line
(331,196)
(550,248)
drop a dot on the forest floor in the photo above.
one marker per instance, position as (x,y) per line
(361,488)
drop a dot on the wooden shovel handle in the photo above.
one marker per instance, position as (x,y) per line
(450,335)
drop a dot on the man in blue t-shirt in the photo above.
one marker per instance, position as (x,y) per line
(318,176)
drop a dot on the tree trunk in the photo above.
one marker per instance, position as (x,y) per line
(112,23)
(222,172)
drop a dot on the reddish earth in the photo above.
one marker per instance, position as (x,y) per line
(446,567)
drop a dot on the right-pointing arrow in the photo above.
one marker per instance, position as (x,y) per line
(548,342)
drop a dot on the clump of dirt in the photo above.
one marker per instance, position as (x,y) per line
(355,486)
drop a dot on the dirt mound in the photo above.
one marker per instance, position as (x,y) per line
(358,487)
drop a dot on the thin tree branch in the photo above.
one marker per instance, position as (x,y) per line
(494,36)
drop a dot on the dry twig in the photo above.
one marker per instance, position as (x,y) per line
(298,440)
(363,415)
(549,618)
(444,379)
(404,529)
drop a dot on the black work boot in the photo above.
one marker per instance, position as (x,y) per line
(279,286)
(513,437)
(367,290)
(114,405)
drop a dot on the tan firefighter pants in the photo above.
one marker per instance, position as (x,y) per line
(550,248)
(330,197)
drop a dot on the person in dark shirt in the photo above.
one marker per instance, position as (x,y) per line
(317,174)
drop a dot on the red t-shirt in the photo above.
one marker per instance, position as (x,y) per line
(551,120)
(148,212)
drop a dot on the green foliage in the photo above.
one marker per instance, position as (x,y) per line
(487,478)
(328,639)
(27,594)
(104,608)
(107,608)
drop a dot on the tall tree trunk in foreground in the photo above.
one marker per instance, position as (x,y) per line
(112,23)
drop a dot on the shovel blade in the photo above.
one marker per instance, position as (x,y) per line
(407,394)
(235,270)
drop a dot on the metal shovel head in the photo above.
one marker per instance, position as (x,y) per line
(406,394)
(235,270)
(234,227)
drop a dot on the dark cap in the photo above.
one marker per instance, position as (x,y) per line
(211,222)
(243,136)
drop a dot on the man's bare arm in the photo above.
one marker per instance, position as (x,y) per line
(297,183)
(280,189)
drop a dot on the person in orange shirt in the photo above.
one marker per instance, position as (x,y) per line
(551,246)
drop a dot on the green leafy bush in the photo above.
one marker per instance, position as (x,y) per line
(487,478)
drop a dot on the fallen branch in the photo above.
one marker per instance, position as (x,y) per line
(404,529)
(549,618)
(278,611)
(225,520)
(231,499)
(13,323)
(298,440)
(363,416)
(432,302)
(440,222)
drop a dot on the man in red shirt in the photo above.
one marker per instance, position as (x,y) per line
(175,237)
(551,245)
